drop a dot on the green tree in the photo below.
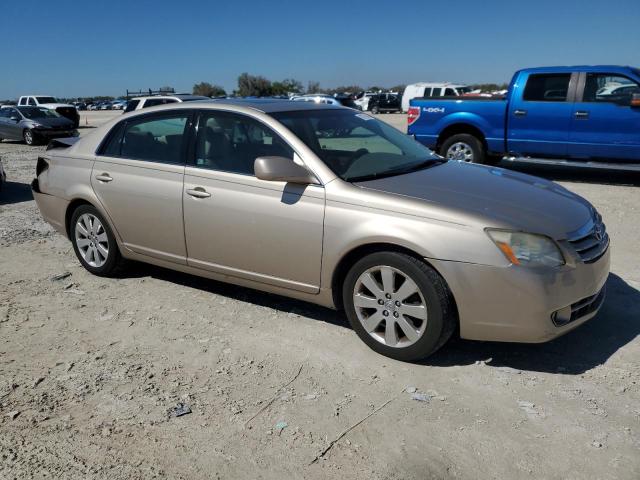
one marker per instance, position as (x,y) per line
(253,86)
(286,86)
(208,90)
(313,87)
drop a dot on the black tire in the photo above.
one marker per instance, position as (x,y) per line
(375,110)
(114,261)
(29,137)
(474,144)
(442,317)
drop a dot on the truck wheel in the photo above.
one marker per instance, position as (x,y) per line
(464,148)
(375,110)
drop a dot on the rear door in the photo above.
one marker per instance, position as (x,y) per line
(604,125)
(239,225)
(138,176)
(540,114)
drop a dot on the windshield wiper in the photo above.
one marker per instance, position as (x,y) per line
(431,162)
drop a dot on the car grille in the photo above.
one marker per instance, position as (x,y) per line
(592,243)
(587,305)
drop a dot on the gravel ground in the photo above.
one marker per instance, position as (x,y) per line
(94,372)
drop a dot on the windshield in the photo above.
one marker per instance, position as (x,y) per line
(356,146)
(46,100)
(37,112)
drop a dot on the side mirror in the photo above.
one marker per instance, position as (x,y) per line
(635,100)
(282,169)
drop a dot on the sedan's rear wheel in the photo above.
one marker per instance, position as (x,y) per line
(398,305)
(93,241)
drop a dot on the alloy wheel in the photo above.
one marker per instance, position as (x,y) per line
(460,151)
(91,239)
(390,306)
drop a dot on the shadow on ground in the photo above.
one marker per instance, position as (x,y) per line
(562,173)
(590,345)
(15,192)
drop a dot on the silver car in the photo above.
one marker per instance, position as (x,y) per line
(332,206)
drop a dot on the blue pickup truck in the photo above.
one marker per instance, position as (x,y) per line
(588,113)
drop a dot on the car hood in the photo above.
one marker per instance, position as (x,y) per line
(53,122)
(501,197)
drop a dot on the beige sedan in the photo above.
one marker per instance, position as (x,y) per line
(332,206)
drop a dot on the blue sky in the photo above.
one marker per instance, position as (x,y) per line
(102,47)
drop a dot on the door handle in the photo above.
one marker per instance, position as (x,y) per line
(104,177)
(582,114)
(520,113)
(198,192)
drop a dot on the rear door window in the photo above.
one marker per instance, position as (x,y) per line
(449,92)
(547,87)
(609,88)
(154,139)
(427,92)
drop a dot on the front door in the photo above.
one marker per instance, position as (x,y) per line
(138,176)
(539,118)
(604,125)
(239,225)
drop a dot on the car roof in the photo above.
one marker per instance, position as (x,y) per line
(269,105)
(581,68)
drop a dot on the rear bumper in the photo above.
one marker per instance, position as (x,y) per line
(44,133)
(515,304)
(52,208)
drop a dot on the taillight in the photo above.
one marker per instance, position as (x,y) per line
(412,115)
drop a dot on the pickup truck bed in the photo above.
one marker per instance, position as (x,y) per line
(575,113)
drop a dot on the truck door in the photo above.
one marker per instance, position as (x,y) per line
(539,115)
(604,124)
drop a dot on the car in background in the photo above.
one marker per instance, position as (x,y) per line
(80,105)
(362,100)
(338,99)
(430,89)
(385,103)
(33,124)
(582,115)
(118,105)
(139,103)
(66,110)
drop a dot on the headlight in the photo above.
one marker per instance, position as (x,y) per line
(527,249)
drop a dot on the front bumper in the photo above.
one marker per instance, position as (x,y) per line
(515,304)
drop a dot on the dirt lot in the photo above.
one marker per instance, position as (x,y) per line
(91,370)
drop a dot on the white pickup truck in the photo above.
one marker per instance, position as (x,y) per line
(46,101)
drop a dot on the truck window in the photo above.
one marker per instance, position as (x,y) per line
(609,88)
(449,92)
(547,87)
(427,92)
(32,101)
(23,101)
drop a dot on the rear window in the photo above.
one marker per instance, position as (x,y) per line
(547,87)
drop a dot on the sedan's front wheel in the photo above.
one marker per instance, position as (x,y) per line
(29,137)
(398,305)
(93,241)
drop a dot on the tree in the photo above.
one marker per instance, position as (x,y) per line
(398,88)
(286,86)
(313,87)
(253,86)
(208,90)
(347,89)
